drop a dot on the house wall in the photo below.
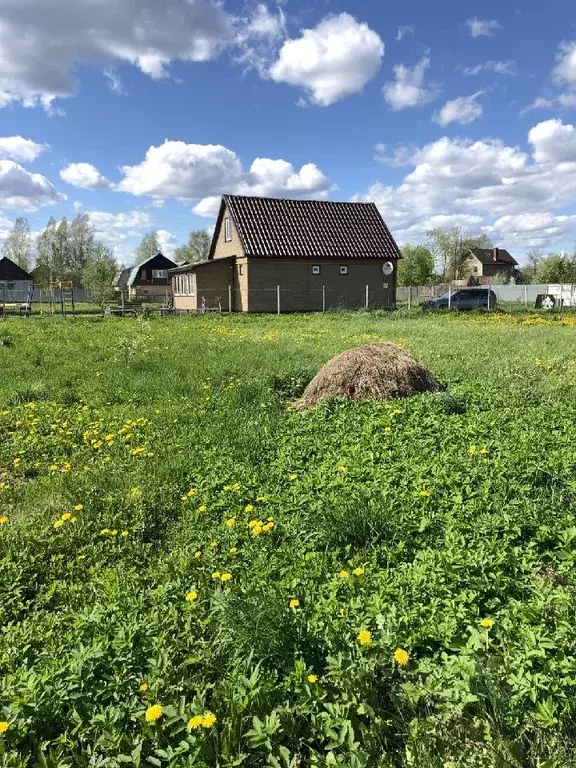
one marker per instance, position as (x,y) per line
(232,247)
(211,287)
(144,276)
(491,270)
(301,291)
(157,291)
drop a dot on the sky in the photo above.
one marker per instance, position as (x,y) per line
(142,113)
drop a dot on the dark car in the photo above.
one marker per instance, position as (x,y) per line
(464,298)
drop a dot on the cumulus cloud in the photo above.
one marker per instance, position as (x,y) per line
(507,67)
(85,176)
(408,88)
(205,171)
(463,110)
(19,149)
(24,190)
(121,231)
(565,69)
(167,242)
(331,61)
(488,180)
(40,40)
(563,75)
(482,27)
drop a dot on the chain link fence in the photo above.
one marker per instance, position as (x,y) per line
(510,296)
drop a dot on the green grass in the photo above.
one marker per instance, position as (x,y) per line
(177,433)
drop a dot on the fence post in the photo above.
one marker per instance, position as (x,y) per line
(561,295)
(323,298)
(409,298)
(450,297)
(367,295)
(229,298)
(525,297)
(4,301)
(278,299)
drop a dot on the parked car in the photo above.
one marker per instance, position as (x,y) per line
(465,298)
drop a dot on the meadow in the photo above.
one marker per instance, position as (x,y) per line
(194,574)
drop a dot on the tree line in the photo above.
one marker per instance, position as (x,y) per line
(443,258)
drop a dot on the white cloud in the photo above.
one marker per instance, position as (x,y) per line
(408,88)
(40,40)
(507,67)
(403,31)
(463,110)
(114,81)
(488,180)
(334,60)
(565,69)
(534,230)
(167,242)
(262,23)
(159,203)
(85,176)
(401,155)
(23,190)
(256,38)
(19,149)
(186,171)
(121,231)
(77,205)
(482,27)
(208,207)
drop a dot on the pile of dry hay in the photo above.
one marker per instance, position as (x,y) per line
(382,371)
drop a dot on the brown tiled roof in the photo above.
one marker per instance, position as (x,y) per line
(486,256)
(310,228)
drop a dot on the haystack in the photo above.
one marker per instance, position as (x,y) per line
(382,371)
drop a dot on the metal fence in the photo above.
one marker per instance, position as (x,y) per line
(41,296)
(564,295)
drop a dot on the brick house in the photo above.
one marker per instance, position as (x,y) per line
(269,254)
(491,262)
(147,280)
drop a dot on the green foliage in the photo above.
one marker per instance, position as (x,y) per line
(142,462)
(556,268)
(197,248)
(416,266)
(451,247)
(98,274)
(150,246)
(18,244)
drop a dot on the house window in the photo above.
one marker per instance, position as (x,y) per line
(10,286)
(227,231)
(343,269)
(315,269)
(475,269)
(159,274)
(240,269)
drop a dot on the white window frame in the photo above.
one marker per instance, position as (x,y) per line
(159,274)
(316,269)
(343,269)
(227,229)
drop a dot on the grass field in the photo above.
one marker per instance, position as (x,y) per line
(193,574)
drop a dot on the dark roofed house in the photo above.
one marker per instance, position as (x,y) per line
(149,279)
(491,262)
(13,278)
(304,254)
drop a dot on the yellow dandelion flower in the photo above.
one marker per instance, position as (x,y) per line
(195,722)
(58,523)
(365,637)
(208,720)
(252,523)
(292,477)
(294,603)
(202,508)
(226,577)
(257,529)
(3,726)
(424,493)
(144,687)
(198,554)
(358,571)
(3,519)
(401,656)
(213,544)
(471,449)
(231,522)
(113,532)
(342,468)
(66,516)
(249,508)
(153,713)
(487,623)
(312,678)
(184,498)
(191,596)
(79,508)
(124,533)
(344,575)
(191,493)
(216,575)
(233,550)
(268,527)
(387,429)
(73,519)
(105,531)
(483,451)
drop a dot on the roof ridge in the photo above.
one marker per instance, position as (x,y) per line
(298,200)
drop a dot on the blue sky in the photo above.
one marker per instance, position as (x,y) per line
(143,114)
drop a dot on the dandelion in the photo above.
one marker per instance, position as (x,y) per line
(249,508)
(233,550)
(483,451)
(344,575)
(267,527)
(144,687)
(216,575)
(424,493)
(358,571)
(471,449)
(487,623)
(226,577)
(292,477)
(153,713)
(401,657)
(294,603)
(197,554)
(73,519)
(3,519)
(342,468)
(312,678)
(124,533)
(3,726)
(191,493)
(208,720)
(202,508)
(66,516)
(195,722)
(213,544)
(58,523)
(79,508)
(113,532)
(231,522)
(105,531)
(365,637)
(387,429)
(191,596)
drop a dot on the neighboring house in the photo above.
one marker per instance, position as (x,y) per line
(294,256)
(149,279)
(491,262)
(14,279)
